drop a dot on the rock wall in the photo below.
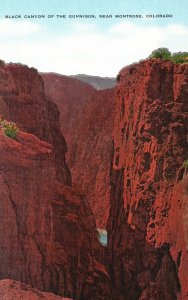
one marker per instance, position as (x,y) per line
(48,235)
(149,190)
(86,118)
(14,290)
(22,100)
(91,154)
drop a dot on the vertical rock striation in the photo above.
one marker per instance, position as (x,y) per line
(147,226)
(91,154)
(86,118)
(48,236)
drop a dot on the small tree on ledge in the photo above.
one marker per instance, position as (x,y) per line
(10,129)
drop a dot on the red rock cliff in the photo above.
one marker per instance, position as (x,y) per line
(148,237)
(14,290)
(48,235)
(22,100)
(86,118)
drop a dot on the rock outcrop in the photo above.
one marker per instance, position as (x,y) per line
(147,226)
(23,101)
(48,236)
(86,118)
(15,290)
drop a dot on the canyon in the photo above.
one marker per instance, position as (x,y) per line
(48,233)
(86,118)
(85,159)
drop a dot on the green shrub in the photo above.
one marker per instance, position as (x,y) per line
(162,53)
(180,57)
(10,129)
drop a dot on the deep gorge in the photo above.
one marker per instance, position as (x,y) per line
(86,159)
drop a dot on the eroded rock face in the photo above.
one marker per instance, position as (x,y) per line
(86,118)
(91,154)
(47,232)
(22,100)
(48,236)
(148,214)
(15,290)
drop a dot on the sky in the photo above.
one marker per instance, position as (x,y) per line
(94,46)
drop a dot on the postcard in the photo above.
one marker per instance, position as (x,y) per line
(94,150)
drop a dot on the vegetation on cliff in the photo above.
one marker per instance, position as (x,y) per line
(10,129)
(164,53)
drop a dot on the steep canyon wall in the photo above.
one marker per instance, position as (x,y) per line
(86,117)
(48,235)
(147,225)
